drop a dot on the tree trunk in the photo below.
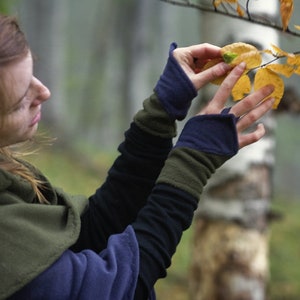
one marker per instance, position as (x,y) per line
(230,250)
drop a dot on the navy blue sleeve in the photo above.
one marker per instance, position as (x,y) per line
(174,89)
(126,189)
(86,275)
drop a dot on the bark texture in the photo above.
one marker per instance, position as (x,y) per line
(230,250)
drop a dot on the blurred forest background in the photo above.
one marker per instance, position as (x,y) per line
(100,59)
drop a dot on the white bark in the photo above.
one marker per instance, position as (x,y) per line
(235,204)
(221,30)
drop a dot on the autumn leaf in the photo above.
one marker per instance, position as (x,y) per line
(297,71)
(276,51)
(241,88)
(286,70)
(239,9)
(218,2)
(294,59)
(233,54)
(269,73)
(252,59)
(264,77)
(228,57)
(212,63)
(244,52)
(297,27)
(286,11)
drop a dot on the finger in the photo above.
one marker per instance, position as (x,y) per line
(255,114)
(197,53)
(210,74)
(224,91)
(205,51)
(249,102)
(250,138)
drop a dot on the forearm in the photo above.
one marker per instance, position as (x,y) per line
(131,178)
(171,205)
(147,144)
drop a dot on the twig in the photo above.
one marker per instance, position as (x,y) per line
(250,18)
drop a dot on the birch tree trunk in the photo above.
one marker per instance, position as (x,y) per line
(230,250)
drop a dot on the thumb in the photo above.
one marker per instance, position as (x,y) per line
(210,74)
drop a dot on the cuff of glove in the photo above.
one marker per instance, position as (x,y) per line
(188,170)
(154,119)
(174,89)
(215,134)
(206,142)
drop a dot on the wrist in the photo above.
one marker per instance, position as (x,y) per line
(174,89)
(154,119)
(215,134)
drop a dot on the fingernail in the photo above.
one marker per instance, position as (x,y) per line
(271,101)
(271,88)
(242,65)
(225,66)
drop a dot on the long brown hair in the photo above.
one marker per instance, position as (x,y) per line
(13,46)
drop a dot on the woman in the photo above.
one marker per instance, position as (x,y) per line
(116,244)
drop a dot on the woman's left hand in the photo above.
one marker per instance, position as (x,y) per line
(247,111)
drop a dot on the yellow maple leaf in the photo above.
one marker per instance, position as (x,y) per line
(286,11)
(283,69)
(244,52)
(264,77)
(241,88)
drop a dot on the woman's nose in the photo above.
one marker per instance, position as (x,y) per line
(42,92)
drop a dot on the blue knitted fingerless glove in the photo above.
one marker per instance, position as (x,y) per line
(174,89)
(215,134)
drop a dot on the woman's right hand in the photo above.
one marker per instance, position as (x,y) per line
(192,60)
(182,77)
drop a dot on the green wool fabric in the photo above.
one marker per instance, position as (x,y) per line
(33,236)
(189,169)
(154,119)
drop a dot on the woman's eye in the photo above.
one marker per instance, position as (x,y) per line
(19,106)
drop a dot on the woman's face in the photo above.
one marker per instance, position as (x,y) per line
(26,94)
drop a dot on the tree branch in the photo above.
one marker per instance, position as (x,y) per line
(254,19)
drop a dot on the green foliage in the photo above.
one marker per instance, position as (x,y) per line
(6,6)
(74,175)
(285,252)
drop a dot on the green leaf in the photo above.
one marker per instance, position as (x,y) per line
(229,57)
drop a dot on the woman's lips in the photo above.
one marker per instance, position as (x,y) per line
(36,119)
